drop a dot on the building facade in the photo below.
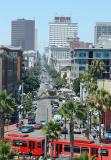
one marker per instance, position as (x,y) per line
(8,72)
(60,30)
(76,43)
(23,34)
(60,57)
(10,67)
(100,29)
(17,53)
(81,60)
(31,59)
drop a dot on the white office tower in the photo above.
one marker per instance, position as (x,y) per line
(102,29)
(61,30)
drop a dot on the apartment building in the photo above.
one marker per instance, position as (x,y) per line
(81,60)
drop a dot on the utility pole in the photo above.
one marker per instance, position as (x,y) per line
(21,106)
(45,147)
(22,94)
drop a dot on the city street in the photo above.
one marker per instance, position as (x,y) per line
(43,113)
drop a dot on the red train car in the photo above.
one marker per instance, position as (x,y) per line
(27,145)
(101,152)
(60,147)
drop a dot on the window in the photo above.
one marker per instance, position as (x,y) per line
(67,148)
(81,68)
(98,54)
(84,149)
(105,54)
(104,152)
(19,143)
(82,61)
(76,149)
(82,54)
(38,144)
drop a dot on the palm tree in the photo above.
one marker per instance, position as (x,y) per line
(27,103)
(102,101)
(90,108)
(97,68)
(89,81)
(84,156)
(5,151)
(7,105)
(70,111)
(52,130)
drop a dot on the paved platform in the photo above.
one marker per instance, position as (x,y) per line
(12,127)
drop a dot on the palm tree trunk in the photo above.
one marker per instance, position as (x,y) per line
(100,126)
(71,126)
(1,126)
(51,147)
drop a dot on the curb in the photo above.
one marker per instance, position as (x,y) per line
(9,130)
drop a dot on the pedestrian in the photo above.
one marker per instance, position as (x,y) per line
(94,136)
(24,156)
(30,154)
(41,158)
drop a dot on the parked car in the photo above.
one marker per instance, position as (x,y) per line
(54,110)
(54,102)
(107,135)
(31,121)
(61,98)
(43,122)
(38,126)
(54,106)
(26,129)
(77,131)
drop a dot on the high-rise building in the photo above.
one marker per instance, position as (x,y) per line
(23,34)
(60,30)
(101,29)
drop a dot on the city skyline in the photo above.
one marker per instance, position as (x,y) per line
(86,14)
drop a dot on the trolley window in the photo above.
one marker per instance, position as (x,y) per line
(76,149)
(39,145)
(104,152)
(94,152)
(85,149)
(19,143)
(67,148)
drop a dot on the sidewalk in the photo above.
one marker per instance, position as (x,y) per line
(12,127)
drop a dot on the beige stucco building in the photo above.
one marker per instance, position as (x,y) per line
(106,84)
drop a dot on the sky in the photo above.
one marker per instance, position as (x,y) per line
(85,12)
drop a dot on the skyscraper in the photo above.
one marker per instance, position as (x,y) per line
(60,30)
(23,34)
(101,29)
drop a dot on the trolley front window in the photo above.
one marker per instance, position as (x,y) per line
(104,152)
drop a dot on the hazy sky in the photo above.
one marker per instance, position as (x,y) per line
(85,12)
